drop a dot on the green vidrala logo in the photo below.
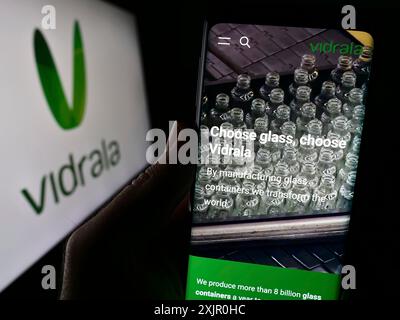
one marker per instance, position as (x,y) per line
(67,117)
(76,171)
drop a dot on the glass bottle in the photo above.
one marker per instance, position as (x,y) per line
(349,166)
(300,78)
(307,152)
(288,128)
(327,92)
(333,110)
(355,98)
(314,129)
(281,115)
(247,203)
(200,207)
(276,98)
(258,177)
(348,82)
(282,173)
(221,206)
(340,126)
(346,193)
(308,64)
(271,82)
(308,172)
(271,203)
(325,195)
(356,122)
(219,114)
(203,179)
(237,118)
(307,113)
(338,152)
(289,157)
(264,160)
(230,179)
(362,67)
(260,127)
(302,200)
(257,111)
(355,146)
(242,94)
(302,96)
(326,163)
(344,64)
(224,159)
(204,145)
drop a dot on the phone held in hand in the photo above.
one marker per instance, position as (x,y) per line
(281,113)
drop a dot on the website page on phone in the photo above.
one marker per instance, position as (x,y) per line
(281,120)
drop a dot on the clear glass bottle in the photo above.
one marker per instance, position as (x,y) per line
(200,207)
(308,173)
(314,129)
(257,111)
(288,128)
(264,160)
(289,157)
(362,67)
(271,82)
(203,179)
(307,152)
(221,206)
(348,82)
(357,120)
(242,93)
(274,149)
(271,204)
(307,113)
(219,113)
(346,193)
(260,179)
(325,196)
(340,126)
(260,127)
(282,172)
(328,91)
(349,166)
(338,152)
(300,78)
(276,98)
(308,64)
(237,118)
(230,179)
(302,96)
(301,202)
(344,64)
(326,164)
(355,98)
(247,203)
(281,115)
(333,110)
(355,146)
(224,159)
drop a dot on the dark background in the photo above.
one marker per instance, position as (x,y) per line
(171,35)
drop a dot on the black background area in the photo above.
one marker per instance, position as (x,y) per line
(171,35)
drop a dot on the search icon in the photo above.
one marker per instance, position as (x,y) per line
(244,41)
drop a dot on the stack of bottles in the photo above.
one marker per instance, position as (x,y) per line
(322,178)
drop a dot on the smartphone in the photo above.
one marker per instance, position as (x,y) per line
(280,112)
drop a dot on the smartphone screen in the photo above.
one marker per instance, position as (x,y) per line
(281,116)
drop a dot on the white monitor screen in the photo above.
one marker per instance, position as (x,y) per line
(73,124)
